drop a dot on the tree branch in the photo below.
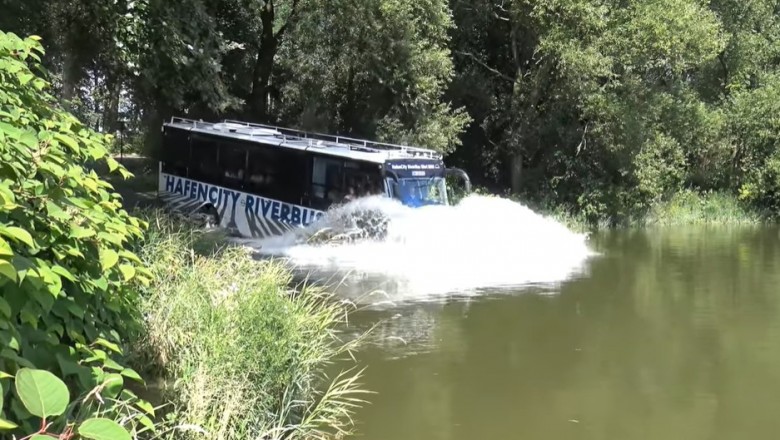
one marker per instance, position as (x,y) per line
(290,19)
(482,63)
(722,59)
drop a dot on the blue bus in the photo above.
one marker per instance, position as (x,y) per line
(261,180)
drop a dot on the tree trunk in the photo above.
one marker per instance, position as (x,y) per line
(152,121)
(258,100)
(516,172)
(111,104)
(70,77)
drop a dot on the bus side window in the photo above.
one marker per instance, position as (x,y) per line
(291,176)
(175,152)
(276,174)
(260,170)
(327,182)
(233,163)
(205,159)
(364,180)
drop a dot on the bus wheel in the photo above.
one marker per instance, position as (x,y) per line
(208,216)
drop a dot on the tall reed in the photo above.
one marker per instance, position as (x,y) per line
(244,354)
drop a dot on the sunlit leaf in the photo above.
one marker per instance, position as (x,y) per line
(112,164)
(108,258)
(128,271)
(69,141)
(109,345)
(65,273)
(78,232)
(6,425)
(29,139)
(147,423)
(146,406)
(18,234)
(103,429)
(55,211)
(7,270)
(7,199)
(113,384)
(41,392)
(130,373)
(130,256)
(110,364)
(5,248)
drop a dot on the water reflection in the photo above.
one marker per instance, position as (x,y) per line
(675,334)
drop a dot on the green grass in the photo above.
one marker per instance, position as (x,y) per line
(694,208)
(244,355)
(685,208)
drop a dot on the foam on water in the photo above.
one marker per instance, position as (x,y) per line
(481,243)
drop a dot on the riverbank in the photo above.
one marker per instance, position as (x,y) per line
(232,348)
(686,208)
(242,352)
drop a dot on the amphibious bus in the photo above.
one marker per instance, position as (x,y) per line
(260,180)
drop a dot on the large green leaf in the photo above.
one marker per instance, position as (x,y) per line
(7,198)
(128,271)
(113,384)
(5,248)
(18,234)
(146,406)
(108,258)
(132,374)
(80,232)
(55,211)
(112,164)
(65,273)
(103,429)
(7,270)
(69,141)
(10,130)
(42,393)
(109,345)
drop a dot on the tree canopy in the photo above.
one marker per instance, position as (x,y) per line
(599,106)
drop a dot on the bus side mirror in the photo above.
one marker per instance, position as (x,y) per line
(457,172)
(392,175)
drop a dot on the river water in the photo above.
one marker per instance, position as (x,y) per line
(669,333)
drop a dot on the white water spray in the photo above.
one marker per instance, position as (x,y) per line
(482,243)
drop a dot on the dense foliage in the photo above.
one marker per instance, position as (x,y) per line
(67,282)
(246,355)
(608,107)
(595,106)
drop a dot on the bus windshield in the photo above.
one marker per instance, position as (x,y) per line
(420,191)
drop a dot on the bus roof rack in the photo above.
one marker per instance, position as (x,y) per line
(313,139)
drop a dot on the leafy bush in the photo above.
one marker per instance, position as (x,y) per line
(660,167)
(67,283)
(243,354)
(689,207)
(755,125)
